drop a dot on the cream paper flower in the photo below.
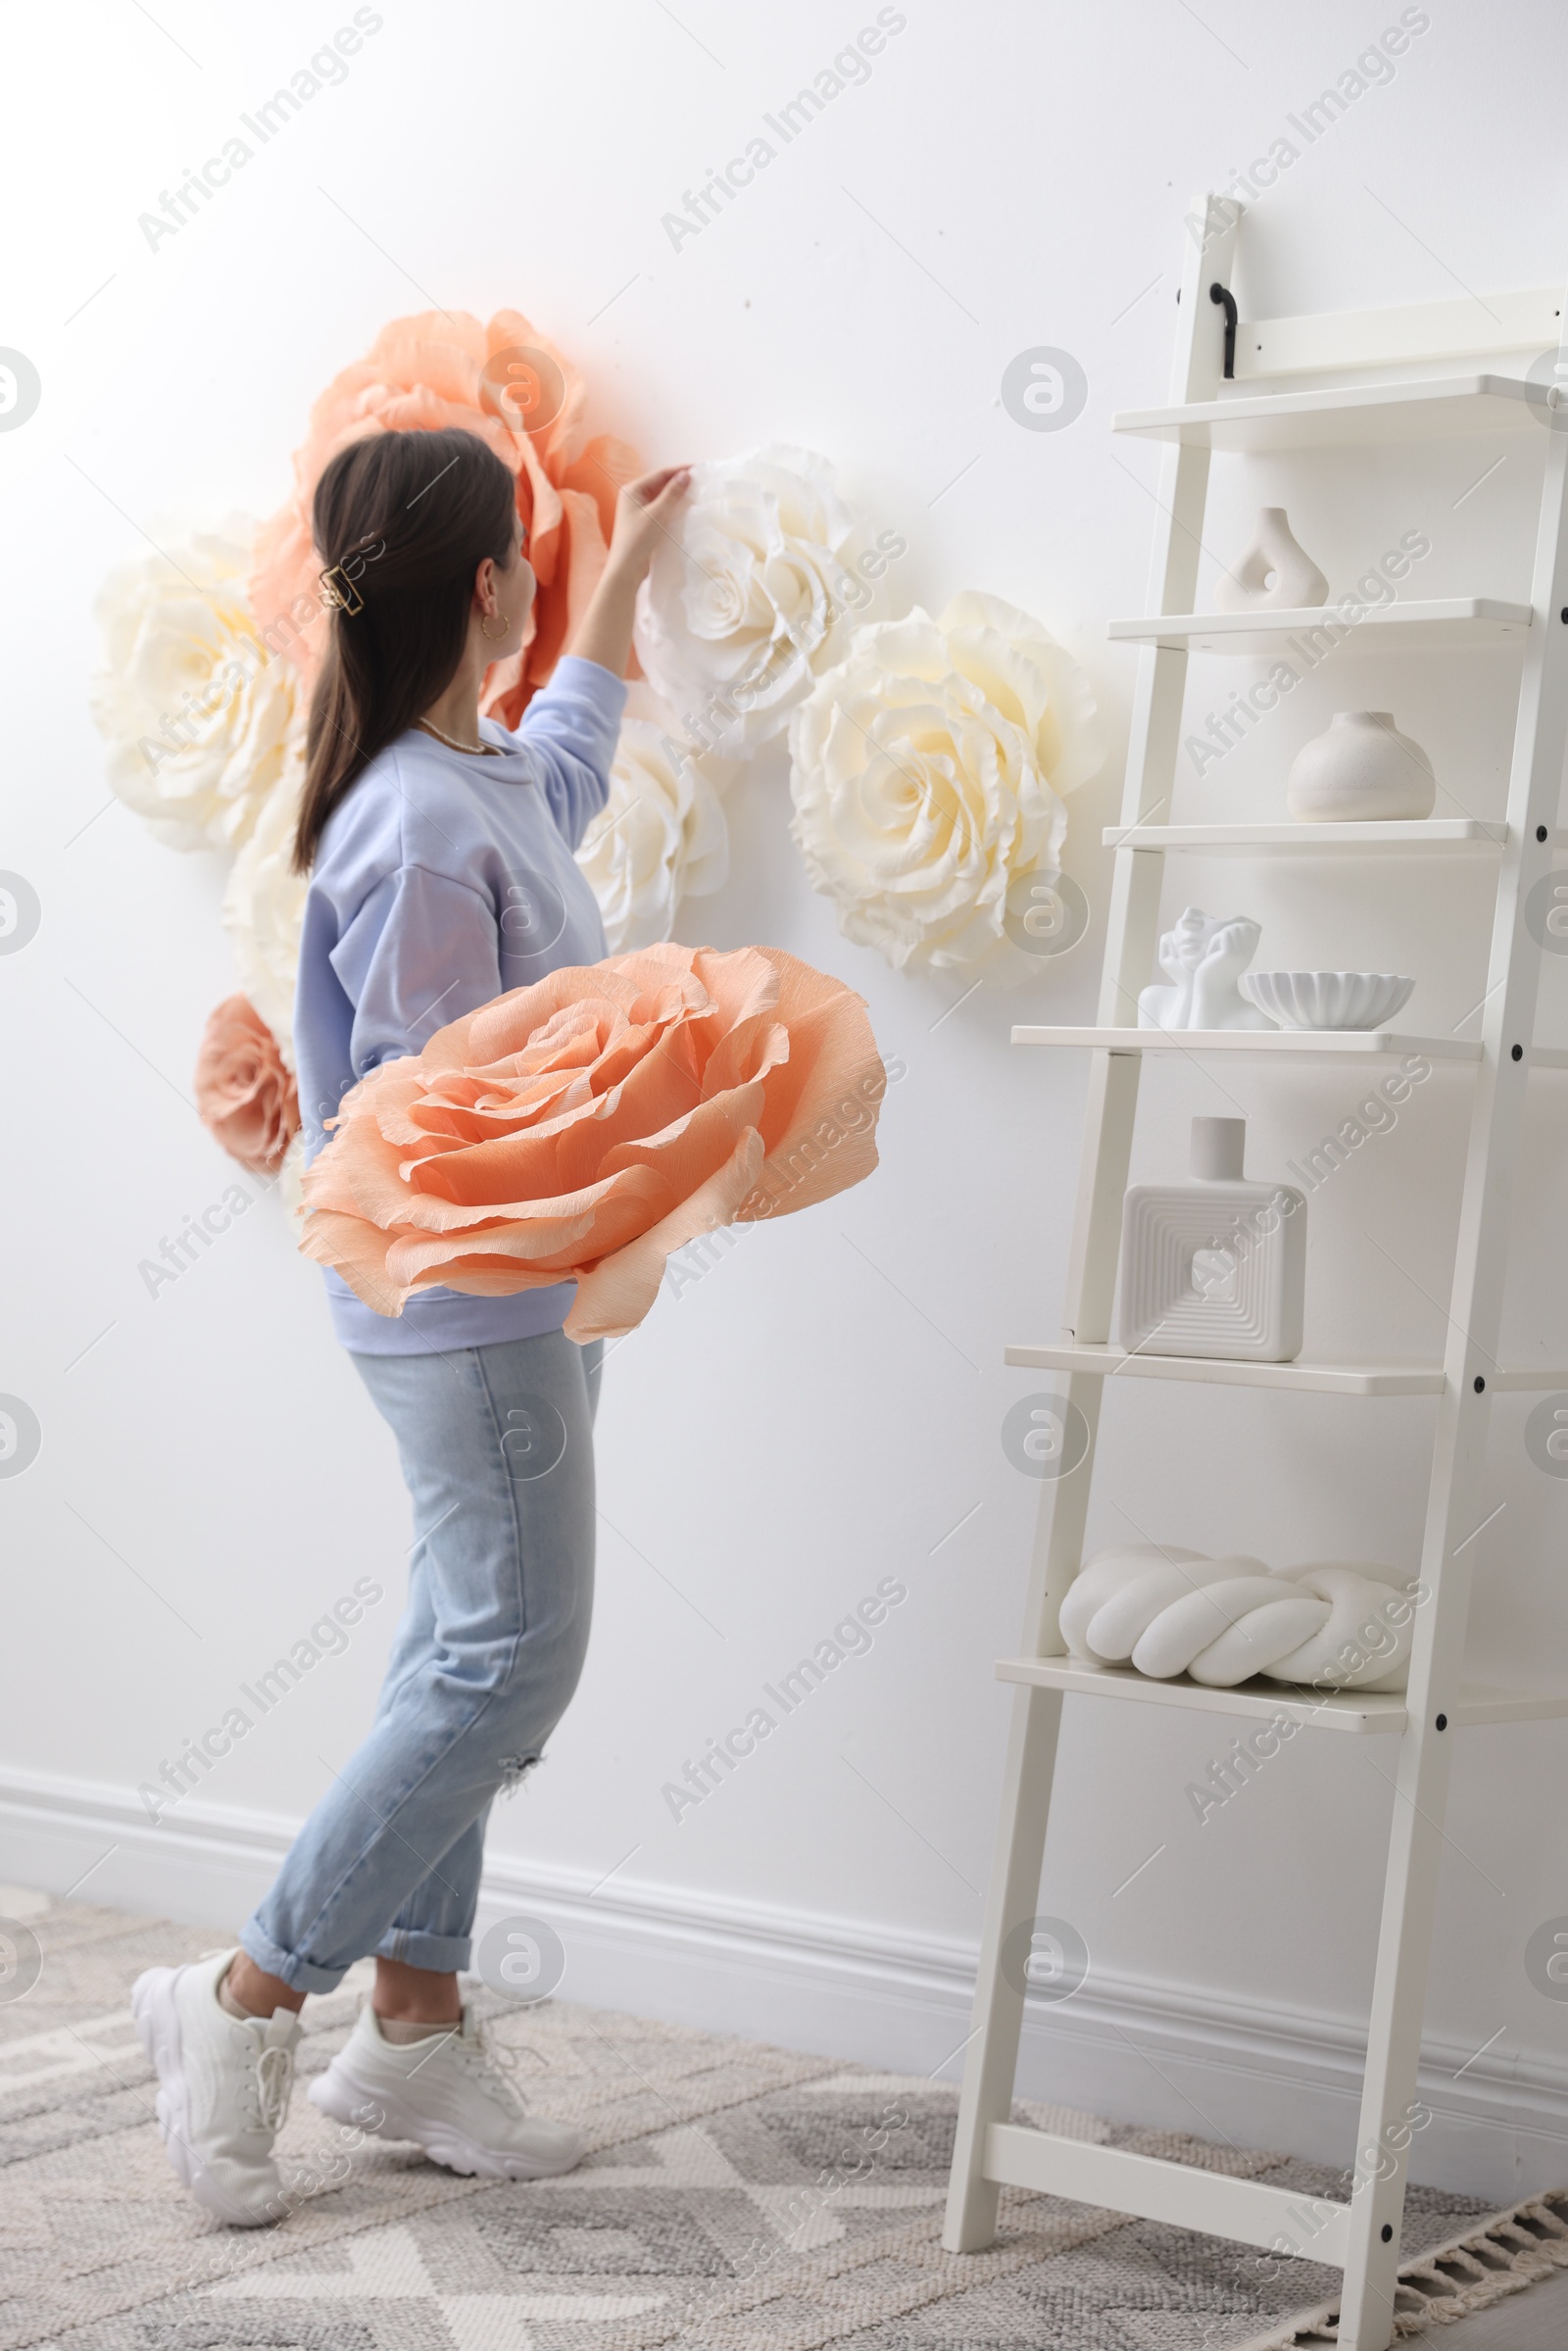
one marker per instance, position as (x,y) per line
(758,594)
(263,905)
(195,706)
(928,774)
(659,837)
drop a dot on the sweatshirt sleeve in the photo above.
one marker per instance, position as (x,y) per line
(571,728)
(422,949)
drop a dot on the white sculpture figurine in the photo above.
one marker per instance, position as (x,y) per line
(1181,951)
(1203,958)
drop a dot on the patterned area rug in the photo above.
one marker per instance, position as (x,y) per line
(735,2197)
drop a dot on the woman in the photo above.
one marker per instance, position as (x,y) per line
(440,853)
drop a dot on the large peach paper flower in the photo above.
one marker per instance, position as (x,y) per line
(508,384)
(245,1095)
(588,1126)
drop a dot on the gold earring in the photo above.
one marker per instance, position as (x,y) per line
(486,618)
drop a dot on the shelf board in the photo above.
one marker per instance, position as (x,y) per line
(1452,331)
(1236,840)
(1182,2195)
(1257,423)
(1320,1045)
(1430,626)
(1359,1712)
(1224,1371)
(1528,1380)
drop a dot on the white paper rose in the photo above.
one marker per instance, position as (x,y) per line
(928,774)
(263,905)
(659,837)
(196,708)
(758,594)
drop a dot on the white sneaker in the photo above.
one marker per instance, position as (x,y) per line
(223,2088)
(446,2093)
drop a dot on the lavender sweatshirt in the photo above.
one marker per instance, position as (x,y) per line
(442,880)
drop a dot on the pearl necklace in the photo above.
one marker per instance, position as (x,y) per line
(491,751)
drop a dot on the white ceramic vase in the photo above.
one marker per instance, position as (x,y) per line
(1216,1266)
(1362,769)
(1274,574)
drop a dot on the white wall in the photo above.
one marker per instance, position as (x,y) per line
(820,1410)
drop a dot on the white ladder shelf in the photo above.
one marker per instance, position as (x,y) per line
(1361,2235)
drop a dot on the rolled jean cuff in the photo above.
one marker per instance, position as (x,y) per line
(443,1954)
(301,1975)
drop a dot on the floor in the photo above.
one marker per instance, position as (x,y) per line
(1537,2321)
(733,2196)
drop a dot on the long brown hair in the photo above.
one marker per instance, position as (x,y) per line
(402,521)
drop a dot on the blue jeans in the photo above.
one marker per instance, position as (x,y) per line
(496,1444)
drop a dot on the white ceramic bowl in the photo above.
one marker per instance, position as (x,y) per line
(1326,999)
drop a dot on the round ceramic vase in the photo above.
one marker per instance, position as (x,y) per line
(1362,769)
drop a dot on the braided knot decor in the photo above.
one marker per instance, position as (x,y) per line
(1331,1624)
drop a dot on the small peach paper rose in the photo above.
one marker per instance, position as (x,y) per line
(586,1127)
(510,386)
(245,1095)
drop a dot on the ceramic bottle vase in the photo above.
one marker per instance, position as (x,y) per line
(1273,575)
(1216,1266)
(1362,769)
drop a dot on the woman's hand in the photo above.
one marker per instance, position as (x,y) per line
(645,513)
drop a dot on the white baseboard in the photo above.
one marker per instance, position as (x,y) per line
(1135,2050)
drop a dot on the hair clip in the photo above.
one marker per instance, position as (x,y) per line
(339,591)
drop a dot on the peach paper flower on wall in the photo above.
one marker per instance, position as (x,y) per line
(588,1126)
(508,384)
(245,1095)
